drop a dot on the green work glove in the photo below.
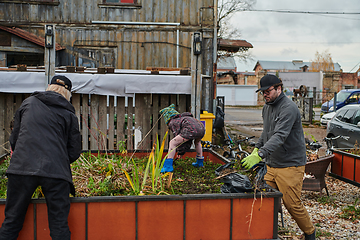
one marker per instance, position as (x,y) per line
(251,160)
(255,151)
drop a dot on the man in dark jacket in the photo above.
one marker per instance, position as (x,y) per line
(282,146)
(45,140)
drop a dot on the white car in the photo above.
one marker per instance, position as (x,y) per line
(326,118)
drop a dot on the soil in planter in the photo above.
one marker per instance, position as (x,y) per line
(103,176)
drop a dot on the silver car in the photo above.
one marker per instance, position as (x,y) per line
(326,118)
(345,123)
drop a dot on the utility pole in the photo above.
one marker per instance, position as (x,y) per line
(196,83)
(49,56)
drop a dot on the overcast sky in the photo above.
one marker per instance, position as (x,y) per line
(297,36)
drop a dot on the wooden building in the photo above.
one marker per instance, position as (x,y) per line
(124,34)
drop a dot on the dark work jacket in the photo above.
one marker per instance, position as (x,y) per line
(282,140)
(45,138)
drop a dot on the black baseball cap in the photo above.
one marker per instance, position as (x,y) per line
(61,81)
(267,81)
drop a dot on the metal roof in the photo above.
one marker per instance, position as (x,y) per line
(226,63)
(288,65)
(29,36)
(232,45)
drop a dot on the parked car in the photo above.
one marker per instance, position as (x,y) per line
(345,123)
(326,118)
(344,97)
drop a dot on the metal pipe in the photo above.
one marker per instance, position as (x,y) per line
(148,23)
(135,23)
(177,48)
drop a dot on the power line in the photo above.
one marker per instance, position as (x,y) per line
(307,42)
(306,12)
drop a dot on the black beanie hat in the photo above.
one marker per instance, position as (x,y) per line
(61,81)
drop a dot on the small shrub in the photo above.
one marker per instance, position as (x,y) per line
(351,212)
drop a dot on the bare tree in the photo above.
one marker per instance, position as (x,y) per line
(226,10)
(322,62)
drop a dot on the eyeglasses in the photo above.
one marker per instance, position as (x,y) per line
(266,92)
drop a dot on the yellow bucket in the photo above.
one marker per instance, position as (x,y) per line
(207,119)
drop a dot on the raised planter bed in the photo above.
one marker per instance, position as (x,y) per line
(346,166)
(192,216)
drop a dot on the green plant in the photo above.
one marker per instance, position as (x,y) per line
(153,168)
(327,200)
(351,212)
(322,233)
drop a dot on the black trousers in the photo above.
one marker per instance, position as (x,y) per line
(19,192)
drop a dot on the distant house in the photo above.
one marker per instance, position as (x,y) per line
(226,71)
(226,65)
(287,66)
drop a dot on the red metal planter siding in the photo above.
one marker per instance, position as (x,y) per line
(346,166)
(183,217)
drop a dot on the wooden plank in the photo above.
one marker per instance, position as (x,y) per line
(165,69)
(75,101)
(120,120)
(182,103)
(85,121)
(142,119)
(130,131)
(18,100)
(102,122)
(164,102)
(94,119)
(9,115)
(2,122)
(111,128)
(139,118)
(155,117)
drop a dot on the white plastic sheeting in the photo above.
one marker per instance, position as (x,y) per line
(100,84)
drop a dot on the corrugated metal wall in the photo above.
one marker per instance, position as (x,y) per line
(121,46)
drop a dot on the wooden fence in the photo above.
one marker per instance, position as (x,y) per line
(106,121)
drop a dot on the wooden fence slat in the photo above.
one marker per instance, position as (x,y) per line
(2,122)
(85,121)
(164,102)
(111,128)
(139,119)
(97,120)
(75,101)
(102,122)
(120,120)
(94,119)
(130,131)
(9,115)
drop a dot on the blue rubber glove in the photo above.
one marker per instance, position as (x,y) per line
(252,159)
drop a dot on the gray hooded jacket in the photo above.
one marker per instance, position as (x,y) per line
(282,140)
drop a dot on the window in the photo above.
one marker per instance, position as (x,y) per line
(356,117)
(354,98)
(340,114)
(348,117)
(121,3)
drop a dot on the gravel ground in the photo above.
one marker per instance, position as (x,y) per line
(325,211)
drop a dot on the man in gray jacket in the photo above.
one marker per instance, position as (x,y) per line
(282,147)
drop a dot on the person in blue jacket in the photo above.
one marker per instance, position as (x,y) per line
(282,147)
(45,140)
(187,130)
